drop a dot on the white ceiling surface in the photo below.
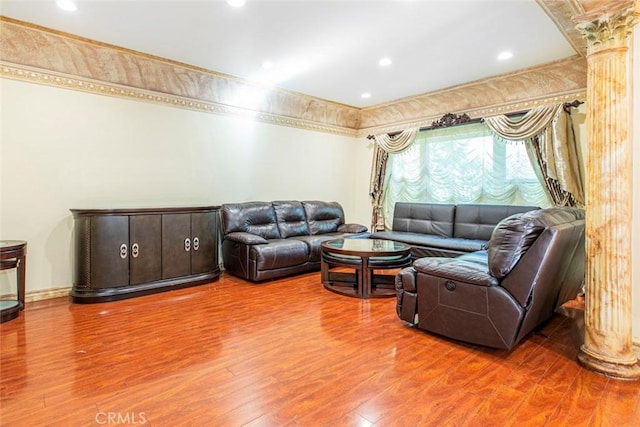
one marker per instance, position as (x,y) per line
(327,49)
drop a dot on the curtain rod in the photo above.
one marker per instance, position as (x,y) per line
(451,119)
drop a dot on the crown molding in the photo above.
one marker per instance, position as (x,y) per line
(33,75)
(562,14)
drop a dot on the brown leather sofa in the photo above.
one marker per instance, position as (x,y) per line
(495,297)
(266,240)
(446,230)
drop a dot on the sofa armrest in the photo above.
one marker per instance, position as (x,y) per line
(246,238)
(407,295)
(352,228)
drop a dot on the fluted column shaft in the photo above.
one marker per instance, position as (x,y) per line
(608,345)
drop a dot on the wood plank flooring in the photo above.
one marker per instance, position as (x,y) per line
(285,353)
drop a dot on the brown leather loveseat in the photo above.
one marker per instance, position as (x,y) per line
(265,240)
(534,264)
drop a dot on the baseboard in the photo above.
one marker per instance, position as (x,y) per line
(41,295)
(47,294)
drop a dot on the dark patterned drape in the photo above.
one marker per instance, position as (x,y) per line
(384,145)
(551,144)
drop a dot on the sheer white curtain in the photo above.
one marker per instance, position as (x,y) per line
(462,164)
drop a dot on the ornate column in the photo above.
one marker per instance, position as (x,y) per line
(607,347)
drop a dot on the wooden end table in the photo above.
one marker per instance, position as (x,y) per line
(13,254)
(364,256)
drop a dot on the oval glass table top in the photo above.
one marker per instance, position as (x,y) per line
(376,247)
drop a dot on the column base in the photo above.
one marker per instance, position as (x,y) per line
(630,372)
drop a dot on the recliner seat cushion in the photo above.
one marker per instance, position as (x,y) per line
(460,269)
(279,254)
(315,244)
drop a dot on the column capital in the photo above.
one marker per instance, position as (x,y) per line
(608,27)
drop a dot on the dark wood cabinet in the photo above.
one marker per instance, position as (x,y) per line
(176,245)
(145,248)
(205,243)
(122,253)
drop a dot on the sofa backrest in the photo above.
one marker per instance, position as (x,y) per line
(291,218)
(478,221)
(323,217)
(257,218)
(559,256)
(542,257)
(424,218)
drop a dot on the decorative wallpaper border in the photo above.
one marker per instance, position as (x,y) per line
(41,50)
(474,113)
(29,74)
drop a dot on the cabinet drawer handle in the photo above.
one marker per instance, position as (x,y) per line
(135,250)
(187,244)
(123,251)
(196,243)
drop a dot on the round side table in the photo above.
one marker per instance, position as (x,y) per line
(13,254)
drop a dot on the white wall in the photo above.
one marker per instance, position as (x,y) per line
(63,149)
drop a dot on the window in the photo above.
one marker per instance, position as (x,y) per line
(462,164)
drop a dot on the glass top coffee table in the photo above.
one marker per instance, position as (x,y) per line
(365,257)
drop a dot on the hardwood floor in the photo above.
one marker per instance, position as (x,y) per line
(285,353)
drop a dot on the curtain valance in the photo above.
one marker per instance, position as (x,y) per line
(525,127)
(398,142)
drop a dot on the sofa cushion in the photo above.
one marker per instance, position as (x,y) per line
(511,238)
(323,217)
(424,218)
(433,241)
(279,253)
(257,218)
(315,244)
(466,270)
(478,221)
(291,218)
(352,228)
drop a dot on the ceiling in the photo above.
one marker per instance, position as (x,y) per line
(326,49)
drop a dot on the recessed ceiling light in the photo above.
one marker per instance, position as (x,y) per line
(366,95)
(384,62)
(267,65)
(68,5)
(236,3)
(504,55)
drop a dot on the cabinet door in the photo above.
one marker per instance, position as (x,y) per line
(109,251)
(204,254)
(145,249)
(176,245)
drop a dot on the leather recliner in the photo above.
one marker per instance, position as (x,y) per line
(534,264)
